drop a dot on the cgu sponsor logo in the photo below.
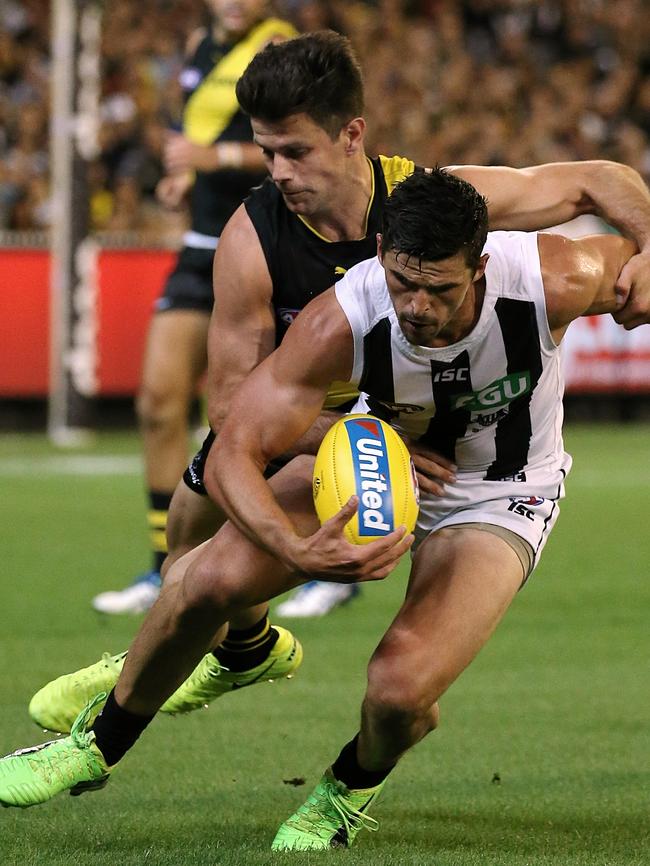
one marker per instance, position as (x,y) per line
(495,395)
(372,477)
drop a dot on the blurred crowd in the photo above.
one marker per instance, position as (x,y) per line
(512,82)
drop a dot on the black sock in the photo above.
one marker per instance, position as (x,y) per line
(157,523)
(116,730)
(246,648)
(347,770)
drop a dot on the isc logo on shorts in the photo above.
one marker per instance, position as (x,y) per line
(372,477)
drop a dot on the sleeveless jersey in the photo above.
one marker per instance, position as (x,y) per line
(492,402)
(212,114)
(302,263)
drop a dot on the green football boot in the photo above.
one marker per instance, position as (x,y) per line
(57,705)
(210,680)
(331,817)
(74,763)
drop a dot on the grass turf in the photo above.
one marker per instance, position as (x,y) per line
(542,757)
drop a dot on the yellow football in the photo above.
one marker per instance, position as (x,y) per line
(363,456)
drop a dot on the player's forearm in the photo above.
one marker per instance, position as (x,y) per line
(542,196)
(181,154)
(237,155)
(618,194)
(235,480)
(228,156)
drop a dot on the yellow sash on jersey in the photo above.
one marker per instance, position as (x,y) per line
(339,393)
(213,104)
(395,169)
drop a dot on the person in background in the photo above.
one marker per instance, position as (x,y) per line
(214,161)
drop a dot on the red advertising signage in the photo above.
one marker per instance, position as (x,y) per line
(599,355)
(602,357)
(129,281)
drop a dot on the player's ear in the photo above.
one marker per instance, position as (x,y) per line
(481,267)
(380,250)
(354,131)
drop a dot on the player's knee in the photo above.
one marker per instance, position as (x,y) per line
(159,406)
(400,712)
(210,588)
(396,699)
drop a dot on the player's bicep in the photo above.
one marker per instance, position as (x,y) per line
(281,407)
(580,276)
(283,397)
(242,326)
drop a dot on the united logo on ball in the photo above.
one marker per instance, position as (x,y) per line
(363,456)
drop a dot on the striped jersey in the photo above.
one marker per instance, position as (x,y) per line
(492,402)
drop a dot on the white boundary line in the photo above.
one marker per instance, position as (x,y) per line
(107,464)
(131,464)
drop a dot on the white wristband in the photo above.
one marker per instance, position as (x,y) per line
(230,154)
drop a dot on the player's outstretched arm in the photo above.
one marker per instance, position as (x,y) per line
(533,198)
(580,276)
(273,408)
(540,196)
(180,154)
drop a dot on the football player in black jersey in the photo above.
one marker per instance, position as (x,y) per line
(320,204)
(214,161)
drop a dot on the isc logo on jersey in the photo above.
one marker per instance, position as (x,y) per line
(363,456)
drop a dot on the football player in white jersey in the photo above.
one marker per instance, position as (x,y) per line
(444,296)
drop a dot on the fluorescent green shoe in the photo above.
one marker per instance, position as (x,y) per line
(74,763)
(330,818)
(210,680)
(57,705)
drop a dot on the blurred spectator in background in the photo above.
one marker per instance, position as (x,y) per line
(542,80)
(213,161)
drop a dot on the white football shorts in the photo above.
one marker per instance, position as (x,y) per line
(527,505)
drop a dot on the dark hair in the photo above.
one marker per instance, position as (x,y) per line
(316,74)
(434,215)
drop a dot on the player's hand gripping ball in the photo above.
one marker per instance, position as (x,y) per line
(363,456)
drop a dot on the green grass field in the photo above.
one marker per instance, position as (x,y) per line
(557,706)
